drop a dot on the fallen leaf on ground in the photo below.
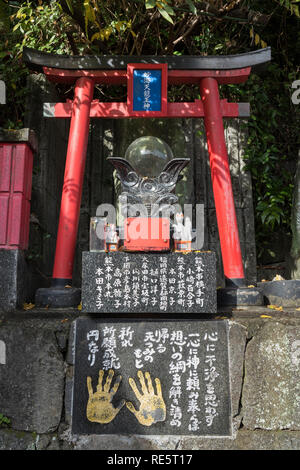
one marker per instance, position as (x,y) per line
(274,307)
(80,306)
(266,316)
(278,278)
(28,306)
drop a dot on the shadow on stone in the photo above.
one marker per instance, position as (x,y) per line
(241,296)
(58,297)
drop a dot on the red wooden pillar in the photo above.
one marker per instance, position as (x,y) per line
(73,181)
(221,181)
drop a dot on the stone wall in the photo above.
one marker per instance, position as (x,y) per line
(36,372)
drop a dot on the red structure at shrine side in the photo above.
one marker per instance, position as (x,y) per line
(207,72)
(16,161)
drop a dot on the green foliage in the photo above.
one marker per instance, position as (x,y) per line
(42,27)
(4,420)
(273,129)
(291,5)
(268,151)
(39,26)
(123,27)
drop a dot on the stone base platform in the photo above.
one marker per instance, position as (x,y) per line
(37,376)
(13,279)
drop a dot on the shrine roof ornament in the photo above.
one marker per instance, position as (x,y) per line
(36,60)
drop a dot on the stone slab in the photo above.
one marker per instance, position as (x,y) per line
(271,391)
(284,293)
(151,378)
(245,440)
(32,377)
(19,136)
(13,279)
(149,282)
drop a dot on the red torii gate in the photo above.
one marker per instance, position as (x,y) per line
(208,72)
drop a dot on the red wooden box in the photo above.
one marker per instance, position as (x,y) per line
(147,234)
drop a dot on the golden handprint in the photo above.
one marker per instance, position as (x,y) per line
(152,407)
(100,408)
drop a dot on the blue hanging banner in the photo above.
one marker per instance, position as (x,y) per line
(147,84)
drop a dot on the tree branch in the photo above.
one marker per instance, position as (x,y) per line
(187,32)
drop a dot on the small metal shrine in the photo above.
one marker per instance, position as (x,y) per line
(148,174)
(147,79)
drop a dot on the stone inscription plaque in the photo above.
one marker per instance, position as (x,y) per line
(164,378)
(149,282)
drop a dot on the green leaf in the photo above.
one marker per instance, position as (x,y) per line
(70,6)
(192,6)
(295,10)
(4,419)
(169,10)
(165,15)
(150,4)
(16,26)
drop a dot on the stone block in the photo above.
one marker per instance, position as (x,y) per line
(13,279)
(271,392)
(19,136)
(149,282)
(237,343)
(281,293)
(32,378)
(17,440)
(246,440)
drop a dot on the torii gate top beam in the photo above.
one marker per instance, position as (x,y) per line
(114,70)
(36,60)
